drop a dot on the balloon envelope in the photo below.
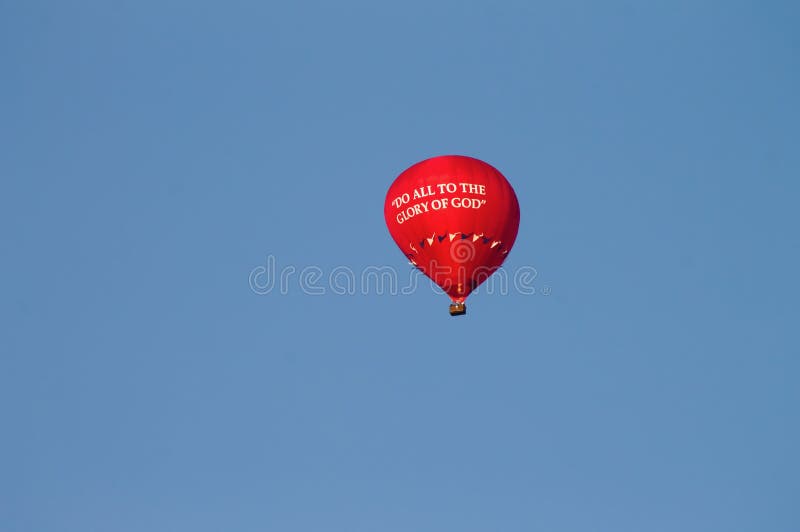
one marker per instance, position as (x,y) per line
(455,218)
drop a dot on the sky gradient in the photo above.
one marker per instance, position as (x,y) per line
(155,154)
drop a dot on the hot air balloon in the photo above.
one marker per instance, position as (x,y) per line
(455,218)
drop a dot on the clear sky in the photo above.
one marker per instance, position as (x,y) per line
(154,154)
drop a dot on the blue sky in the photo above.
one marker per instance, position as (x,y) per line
(156,153)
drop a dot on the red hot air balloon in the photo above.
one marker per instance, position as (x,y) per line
(456,219)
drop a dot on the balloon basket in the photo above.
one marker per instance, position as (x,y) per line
(458,309)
